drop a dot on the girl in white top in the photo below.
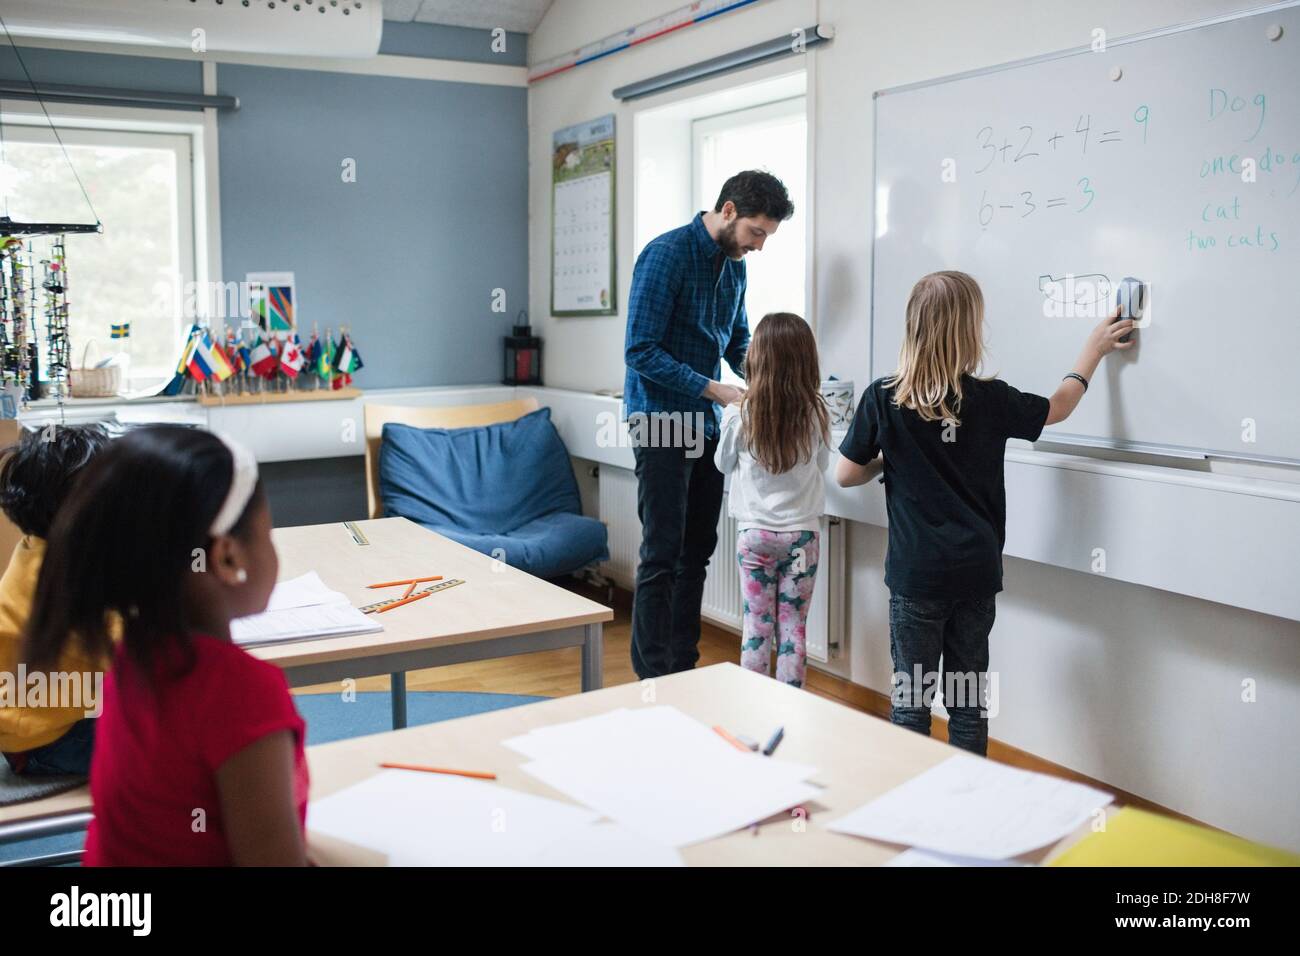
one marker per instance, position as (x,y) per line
(774,446)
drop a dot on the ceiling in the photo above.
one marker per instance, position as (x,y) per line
(516,16)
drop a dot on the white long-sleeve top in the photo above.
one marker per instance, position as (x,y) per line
(792,501)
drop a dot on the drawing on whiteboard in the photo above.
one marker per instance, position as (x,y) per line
(1075,296)
(1088,296)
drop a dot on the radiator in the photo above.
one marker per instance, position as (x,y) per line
(618,512)
(722,603)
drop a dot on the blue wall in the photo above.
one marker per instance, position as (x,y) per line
(451,43)
(408,255)
(154,74)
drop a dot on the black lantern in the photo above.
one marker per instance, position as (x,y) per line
(523,355)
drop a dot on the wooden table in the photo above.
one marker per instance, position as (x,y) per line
(499,611)
(859,757)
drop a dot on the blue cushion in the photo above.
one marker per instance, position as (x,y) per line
(547,547)
(508,486)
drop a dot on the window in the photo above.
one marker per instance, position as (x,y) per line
(142,265)
(772,137)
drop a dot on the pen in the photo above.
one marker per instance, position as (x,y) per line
(774,742)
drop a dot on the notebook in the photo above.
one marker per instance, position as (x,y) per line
(301,609)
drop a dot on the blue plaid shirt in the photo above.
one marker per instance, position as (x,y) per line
(685,313)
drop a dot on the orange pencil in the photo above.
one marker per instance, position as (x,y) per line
(729,739)
(476,774)
(393,584)
(410,600)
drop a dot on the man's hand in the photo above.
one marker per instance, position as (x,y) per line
(723,394)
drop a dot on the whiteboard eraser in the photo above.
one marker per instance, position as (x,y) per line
(1131,299)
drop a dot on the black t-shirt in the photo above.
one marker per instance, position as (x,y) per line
(943,484)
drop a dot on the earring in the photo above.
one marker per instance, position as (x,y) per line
(241,575)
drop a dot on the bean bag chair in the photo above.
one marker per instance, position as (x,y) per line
(505,490)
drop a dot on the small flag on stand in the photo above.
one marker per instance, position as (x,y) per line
(121,331)
(348,360)
(262,360)
(312,352)
(291,358)
(206,360)
(325,360)
(177,383)
(221,365)
(234,352)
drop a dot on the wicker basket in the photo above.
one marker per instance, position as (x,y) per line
(88,382)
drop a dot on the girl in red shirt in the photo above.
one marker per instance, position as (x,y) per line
(199,750)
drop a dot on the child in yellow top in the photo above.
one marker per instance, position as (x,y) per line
(44,723)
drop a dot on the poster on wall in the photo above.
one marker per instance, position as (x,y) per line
(582,219)
(271,300)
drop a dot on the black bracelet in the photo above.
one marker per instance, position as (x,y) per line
(1078,378)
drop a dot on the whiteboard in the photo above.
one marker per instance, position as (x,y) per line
(1049,181)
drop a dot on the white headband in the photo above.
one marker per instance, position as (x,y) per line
(243,480)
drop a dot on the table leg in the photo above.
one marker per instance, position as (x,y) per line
(49,826)
(397,689)
(593,657)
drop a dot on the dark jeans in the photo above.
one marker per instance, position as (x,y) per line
(922,630)
(70,754)
(678,500)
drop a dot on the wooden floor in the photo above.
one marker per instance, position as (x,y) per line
(552,673)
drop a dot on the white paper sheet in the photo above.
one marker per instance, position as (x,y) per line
(968,806)
(306,590)
(641,731)
(916,857)
(662,774)
(301,623)
(599,728)
(432,819)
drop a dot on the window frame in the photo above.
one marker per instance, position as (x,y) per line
(702,126)
(191,133)
(773,112)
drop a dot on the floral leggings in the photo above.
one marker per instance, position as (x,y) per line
(777,571)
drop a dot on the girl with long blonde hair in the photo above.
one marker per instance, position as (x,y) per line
(942,432)
(775,446)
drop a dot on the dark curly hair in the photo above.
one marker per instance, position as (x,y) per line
(124,542)
(756,193)
(39,470)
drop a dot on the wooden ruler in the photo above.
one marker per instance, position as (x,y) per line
(436,586)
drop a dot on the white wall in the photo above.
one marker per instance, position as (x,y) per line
(1137,687)
(584,93)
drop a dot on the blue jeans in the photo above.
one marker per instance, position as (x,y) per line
(70,754)
(923,630)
